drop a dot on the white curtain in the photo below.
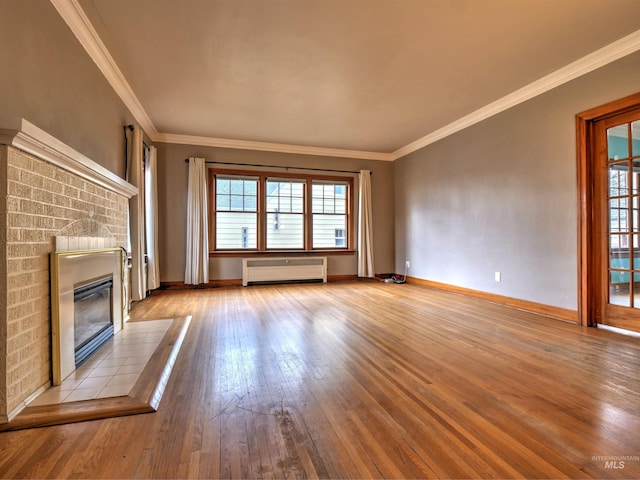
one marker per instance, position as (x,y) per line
(151,211)
(197,264)
(136,215)
(365,227)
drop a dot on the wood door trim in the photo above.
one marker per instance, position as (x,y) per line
(588,277)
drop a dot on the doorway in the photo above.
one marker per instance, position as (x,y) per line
(609,214)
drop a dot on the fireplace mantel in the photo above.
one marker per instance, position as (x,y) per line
(29,138)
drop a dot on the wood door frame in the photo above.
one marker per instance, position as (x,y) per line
(589,281)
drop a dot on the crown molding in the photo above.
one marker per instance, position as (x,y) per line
(78,22)
(31,139)
(608,54)
(75,17)
(271,147)
(72,13)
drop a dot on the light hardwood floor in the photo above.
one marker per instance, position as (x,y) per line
(362,380)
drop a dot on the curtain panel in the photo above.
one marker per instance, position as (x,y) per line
(151,207)
(197,255)
(365,226)
(136,215)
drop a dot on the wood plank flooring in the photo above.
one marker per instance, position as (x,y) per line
(362,380)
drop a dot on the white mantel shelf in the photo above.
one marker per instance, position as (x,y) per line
(31,139)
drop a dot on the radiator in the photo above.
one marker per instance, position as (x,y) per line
(285,269)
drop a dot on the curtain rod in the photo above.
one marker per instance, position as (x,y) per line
(277,166)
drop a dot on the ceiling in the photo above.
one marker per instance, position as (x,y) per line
(356,78)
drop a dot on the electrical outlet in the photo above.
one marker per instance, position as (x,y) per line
(407,264)
(498,276)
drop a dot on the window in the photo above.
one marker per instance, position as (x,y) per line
(245,237)
(236,215)
(266,212)
(329,205)
(285,213)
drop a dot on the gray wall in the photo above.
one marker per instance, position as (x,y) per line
(172,188)
(501,195)
(48,79)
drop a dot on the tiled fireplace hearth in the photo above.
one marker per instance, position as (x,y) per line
(47,190)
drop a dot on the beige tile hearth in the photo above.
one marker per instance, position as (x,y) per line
(126,376)
(114,369)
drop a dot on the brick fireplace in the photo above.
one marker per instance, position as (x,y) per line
(48,190)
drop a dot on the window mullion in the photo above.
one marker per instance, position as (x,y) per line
(308,215)
(212,208)
(262,214)
(350,223)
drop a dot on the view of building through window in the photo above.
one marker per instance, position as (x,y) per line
(236,212)
(285,213)
(329,206)
(288,213)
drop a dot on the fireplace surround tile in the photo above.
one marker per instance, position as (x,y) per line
(114,369)
(68,270)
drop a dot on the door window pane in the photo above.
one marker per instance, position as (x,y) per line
(618,179)
(635,177)
(618,142)
(619,289)
(635,135)
(618,215)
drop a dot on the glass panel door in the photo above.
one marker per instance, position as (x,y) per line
(622,227)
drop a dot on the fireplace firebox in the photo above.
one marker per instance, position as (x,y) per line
(92,317)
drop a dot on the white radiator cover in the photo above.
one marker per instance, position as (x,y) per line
(283,269)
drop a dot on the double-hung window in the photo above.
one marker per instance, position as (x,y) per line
(329,206)
(260,211)
(285,213)
(236,212)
